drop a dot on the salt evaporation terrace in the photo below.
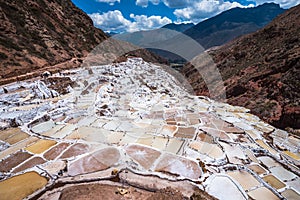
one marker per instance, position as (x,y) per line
(131,125)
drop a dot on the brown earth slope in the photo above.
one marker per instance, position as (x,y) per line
(35,34)
(261,71)
(46,34)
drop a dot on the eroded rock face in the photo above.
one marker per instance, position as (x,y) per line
(261,71)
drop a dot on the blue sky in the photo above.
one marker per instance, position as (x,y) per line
(135,15)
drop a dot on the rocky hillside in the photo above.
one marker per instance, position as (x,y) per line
(233,23)
(261,71)
(36,34)
(45,34)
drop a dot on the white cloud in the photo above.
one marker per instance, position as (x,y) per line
(283,3)
(114,21)
(144,3)
(142,22)
(110,2)
(200,10)
(178,3)
(110,21)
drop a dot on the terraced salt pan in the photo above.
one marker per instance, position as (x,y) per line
(148,107)
(290,194)
(174,145)
(40,146)
(234,153)
(160,143)
(211,150)
(262,192)
(65,131)
(17,187)
(266,147)
(282,173)
(215,186)
(295,184)
(246,180)
(89,134)
(269,162)
(258,169)
(43,127)
(274,182)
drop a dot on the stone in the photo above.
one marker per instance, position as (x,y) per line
(97,161)
(179,166)
(145,156)
(18,187)
(40,146)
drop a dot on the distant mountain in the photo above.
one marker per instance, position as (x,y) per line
(233,23)
(140,38)
(35,35)
(179,27)
(261,71)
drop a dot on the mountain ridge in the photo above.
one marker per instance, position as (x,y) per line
(233,23)
(261,71)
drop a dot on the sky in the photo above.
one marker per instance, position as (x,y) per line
(120,16)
